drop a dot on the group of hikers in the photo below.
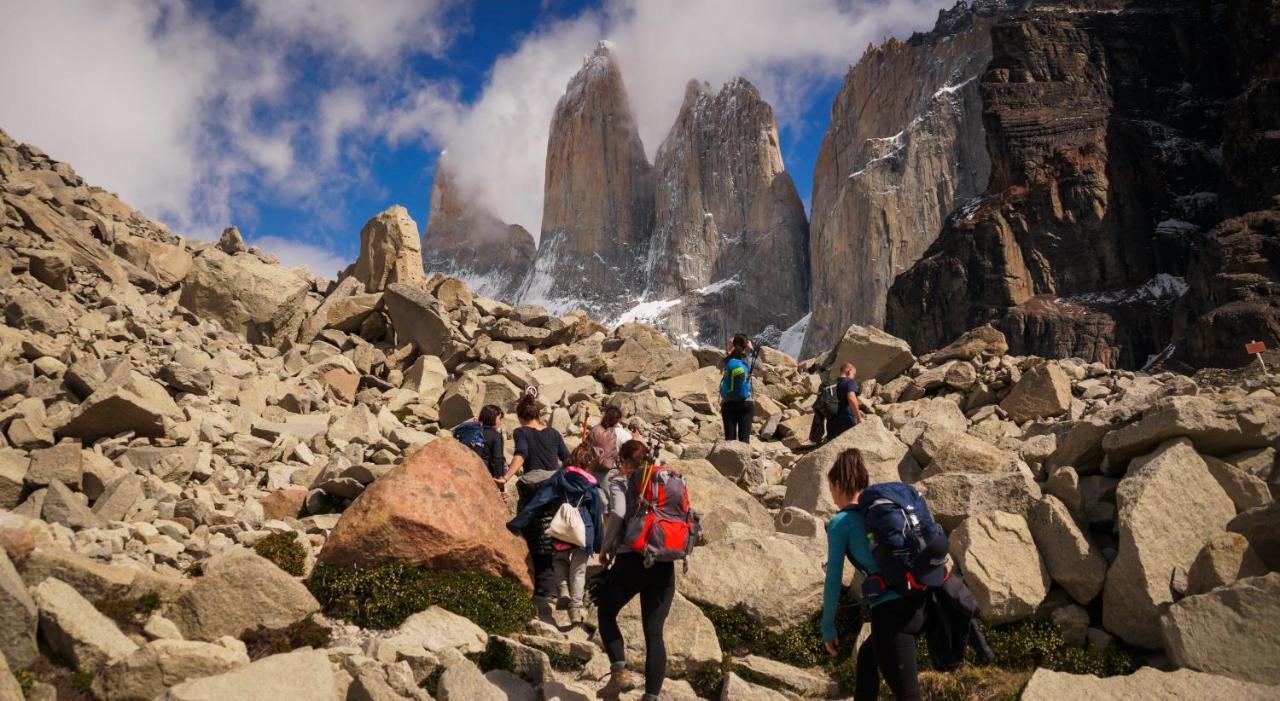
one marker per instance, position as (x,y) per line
(610,497)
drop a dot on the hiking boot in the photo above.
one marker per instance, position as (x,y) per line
(620,682)
(577,616)
(546,613)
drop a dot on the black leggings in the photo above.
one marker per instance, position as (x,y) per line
(545,583)
(656,586)
(892,648)
(737,420)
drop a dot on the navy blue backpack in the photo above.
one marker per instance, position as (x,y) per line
(470,434)
(909,547)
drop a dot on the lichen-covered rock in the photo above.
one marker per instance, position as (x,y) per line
(238,592)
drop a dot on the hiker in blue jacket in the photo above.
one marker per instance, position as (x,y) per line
(896,620)
(554,561)
(736,406)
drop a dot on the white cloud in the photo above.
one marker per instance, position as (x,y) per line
(369,30)
(320,260)
(498,143)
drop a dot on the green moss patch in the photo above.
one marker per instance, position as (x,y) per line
(382,597)
(285,551)
(130,615)
(264,642)
(1038,643)
(799,645)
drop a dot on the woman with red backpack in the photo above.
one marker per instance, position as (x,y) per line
(634,567)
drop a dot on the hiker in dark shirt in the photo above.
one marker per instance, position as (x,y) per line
(538,447)
(492,451)
(850,413)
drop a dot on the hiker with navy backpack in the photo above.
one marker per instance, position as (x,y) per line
(483,436)
(649,526)
(888,534)
(562,523)
(848,414)
(736,406)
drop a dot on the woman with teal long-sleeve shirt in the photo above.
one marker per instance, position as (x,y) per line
(895,620)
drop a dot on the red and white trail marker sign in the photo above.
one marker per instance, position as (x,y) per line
(1257,348)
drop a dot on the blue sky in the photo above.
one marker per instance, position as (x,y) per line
(298,120)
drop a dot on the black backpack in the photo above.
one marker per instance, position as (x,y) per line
(827,405)
(909,547)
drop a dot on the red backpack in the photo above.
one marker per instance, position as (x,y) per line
(664,528)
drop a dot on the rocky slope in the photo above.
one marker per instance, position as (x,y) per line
(167,423)
(464,239)
(597,215)
(729,221)
(905,147)
(1105,180)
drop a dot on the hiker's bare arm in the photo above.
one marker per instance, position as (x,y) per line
(853,402)
(516,463)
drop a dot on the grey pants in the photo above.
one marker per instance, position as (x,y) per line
(571,567)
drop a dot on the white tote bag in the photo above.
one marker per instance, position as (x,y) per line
(567,526)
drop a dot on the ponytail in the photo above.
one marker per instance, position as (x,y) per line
(849,473)
(529,408)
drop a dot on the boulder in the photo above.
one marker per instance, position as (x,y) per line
(421,319)
(723,502)
(437,630)
(1261,527)
(169,464)
(238,592)
(13,475)
(690,637)
(954,496)
(882,452)
(437,507)
(1229,631)
(1224,559)
(18,617)
(998,557)
(645,352)
(699,389)
(127,401)
(301,674)
(944,451)
(726,573)
(463,681)
(63,463)
(166,263)
(737,689)
(9,688)
(983,341)
(97,580)
(118,498)
(75,631)
(1071,559)
(1044,391)
(426,376)
(1146,683)
(731,458)
(1161,531)
(1215,427)
(149,671)
(1245,490)
(877,355)
(63,506)
(245,295)
(784,677)
(390,251)
(461,401)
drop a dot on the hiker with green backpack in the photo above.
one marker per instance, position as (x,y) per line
(736,406)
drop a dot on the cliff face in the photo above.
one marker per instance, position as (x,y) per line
(464,239)
(1104,180)
(1234,295)
(905,146)
(597,215)
(729,243)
